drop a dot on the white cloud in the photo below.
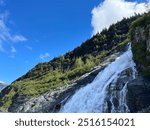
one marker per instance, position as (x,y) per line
(29,48)
(6,35)
(18,38)
(44,56)
(111,11)
(13,50)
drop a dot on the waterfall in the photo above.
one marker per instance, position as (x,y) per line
(105,93)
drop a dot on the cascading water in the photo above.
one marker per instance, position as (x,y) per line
(105,93)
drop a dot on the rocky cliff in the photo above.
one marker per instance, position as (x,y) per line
(139,89)
(138,96)
(140,37)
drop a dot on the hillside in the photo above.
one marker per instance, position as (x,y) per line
(66,69)
(140,37)
(2,85)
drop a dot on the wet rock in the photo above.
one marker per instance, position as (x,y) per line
(117,92)
(138,96)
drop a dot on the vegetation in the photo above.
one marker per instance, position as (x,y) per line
(142,21)
(65,69)
(140,34)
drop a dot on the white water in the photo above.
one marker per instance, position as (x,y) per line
(94,96)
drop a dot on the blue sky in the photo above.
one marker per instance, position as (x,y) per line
(33,31)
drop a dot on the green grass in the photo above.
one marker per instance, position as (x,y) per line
(7,100)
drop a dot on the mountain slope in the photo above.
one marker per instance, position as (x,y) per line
(2,85)
(139,89)
(66,69)
(140,37)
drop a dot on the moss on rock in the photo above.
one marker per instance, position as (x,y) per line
(140,37)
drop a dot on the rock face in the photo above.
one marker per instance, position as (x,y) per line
(140,36)
(53,100)
(117,99)
(139,89)
(138,96)
(141,49)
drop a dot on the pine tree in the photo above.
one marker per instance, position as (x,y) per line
(78,63)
